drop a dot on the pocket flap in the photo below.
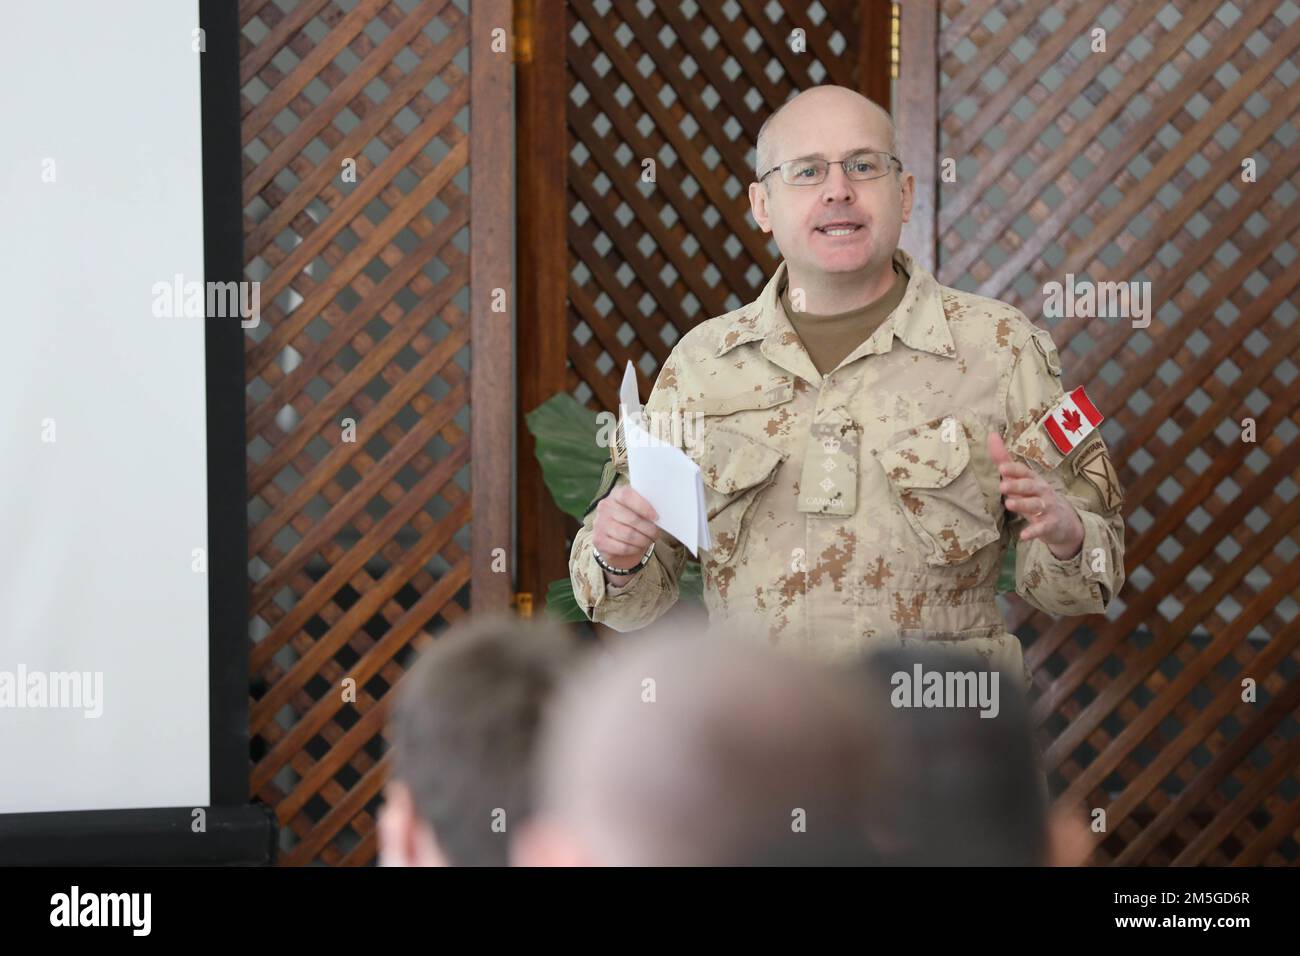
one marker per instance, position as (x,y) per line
(731,461)
(926,455)
(759,397)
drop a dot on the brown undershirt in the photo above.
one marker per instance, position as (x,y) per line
(828,338)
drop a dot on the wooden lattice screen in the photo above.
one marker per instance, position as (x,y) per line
(1127,165)
(375,292)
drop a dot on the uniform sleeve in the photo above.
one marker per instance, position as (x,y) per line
(651,591)
(1085,583)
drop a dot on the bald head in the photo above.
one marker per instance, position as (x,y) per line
(691,750)
(820,104)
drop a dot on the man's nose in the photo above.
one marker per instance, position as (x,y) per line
(837,187)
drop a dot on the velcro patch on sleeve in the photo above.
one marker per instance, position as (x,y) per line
(1043,342)
(1093,464)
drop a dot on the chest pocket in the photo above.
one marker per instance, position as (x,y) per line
(735,468)
(930,475)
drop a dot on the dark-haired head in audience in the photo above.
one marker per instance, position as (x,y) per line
(463,731)
(957,784)
(685,750)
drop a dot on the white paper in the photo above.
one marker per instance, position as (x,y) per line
(663,474)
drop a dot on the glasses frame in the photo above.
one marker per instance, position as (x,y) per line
(898,163)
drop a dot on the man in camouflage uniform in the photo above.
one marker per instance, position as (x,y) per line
(871,440)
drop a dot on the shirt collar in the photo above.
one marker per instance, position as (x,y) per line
(918,322)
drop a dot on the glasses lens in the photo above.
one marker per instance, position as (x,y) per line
(804,172)
(867,165)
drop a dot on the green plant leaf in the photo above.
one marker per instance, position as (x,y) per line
(690,583)
(561,604)
(564,432)
(1007,573)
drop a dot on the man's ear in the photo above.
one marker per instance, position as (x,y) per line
(908,186)
(393,825)
(758,206)
(404,838)
(1068,838)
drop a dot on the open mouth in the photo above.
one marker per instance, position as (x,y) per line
(839,229)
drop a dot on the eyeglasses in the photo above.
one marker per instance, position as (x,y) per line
(860,167)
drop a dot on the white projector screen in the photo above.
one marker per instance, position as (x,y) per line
(104,500)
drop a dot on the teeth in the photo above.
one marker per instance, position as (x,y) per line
(840,232)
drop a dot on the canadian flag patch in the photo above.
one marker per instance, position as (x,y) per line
(1072,420)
